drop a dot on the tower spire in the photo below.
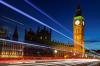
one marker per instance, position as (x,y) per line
(78,10)
(78,31)
(15,34)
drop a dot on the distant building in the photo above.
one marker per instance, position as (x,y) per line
(41,37)
(62,49)
(30,36)
(44,34)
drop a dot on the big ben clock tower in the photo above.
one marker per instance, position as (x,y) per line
(78,31)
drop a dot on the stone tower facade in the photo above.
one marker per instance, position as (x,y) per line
(78,31)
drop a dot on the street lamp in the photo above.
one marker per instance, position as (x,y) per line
(74,54)
(86,55)
(55,52)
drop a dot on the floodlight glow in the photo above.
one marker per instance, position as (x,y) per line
(42,12)
(32,18)
(12,20)
(4,20)
(55,51)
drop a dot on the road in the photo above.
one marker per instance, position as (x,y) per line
(68,62)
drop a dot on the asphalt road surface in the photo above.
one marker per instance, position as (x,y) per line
(68,62)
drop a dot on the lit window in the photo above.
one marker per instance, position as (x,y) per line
(45,37)
(41,37)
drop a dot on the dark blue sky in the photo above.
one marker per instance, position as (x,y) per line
(62,11)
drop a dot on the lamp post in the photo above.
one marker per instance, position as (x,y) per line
(55,52)
(86,55)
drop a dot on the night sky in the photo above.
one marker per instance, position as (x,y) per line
(62,11)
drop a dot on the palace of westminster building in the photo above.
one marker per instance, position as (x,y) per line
(42,37)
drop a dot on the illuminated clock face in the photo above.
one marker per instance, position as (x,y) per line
(77,22)
(83,22)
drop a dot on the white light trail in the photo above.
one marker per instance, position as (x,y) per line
(42,12)
(23,43)
(32,18)
(4,20)
(12,20)
(29,44)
